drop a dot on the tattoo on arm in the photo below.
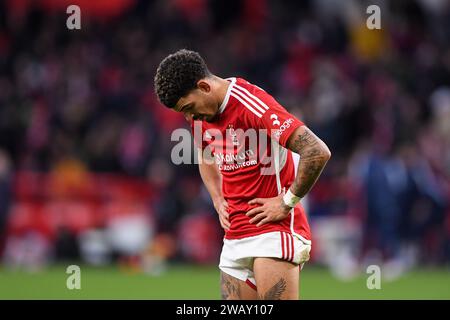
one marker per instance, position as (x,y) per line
(230,287)
(275,292)
(314,154)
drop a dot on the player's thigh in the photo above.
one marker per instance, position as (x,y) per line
(276,279)
(235,289)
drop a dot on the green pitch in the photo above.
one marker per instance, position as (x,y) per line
(194,282)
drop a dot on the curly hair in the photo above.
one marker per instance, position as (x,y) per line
(177,74)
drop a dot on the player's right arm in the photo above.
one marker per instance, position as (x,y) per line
(213,181)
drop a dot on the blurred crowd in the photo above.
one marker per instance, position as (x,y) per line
(380,99)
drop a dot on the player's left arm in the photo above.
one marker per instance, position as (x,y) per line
(292,134)
(314,154)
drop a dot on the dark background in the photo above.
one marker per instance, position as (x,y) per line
(85,169)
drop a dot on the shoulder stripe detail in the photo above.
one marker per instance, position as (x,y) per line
(252,95)
(246,97)
(246,105)
(227,95)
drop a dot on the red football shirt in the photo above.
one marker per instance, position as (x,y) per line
(252,168)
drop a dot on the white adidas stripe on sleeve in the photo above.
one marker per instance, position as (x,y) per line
(245,97)
(238,87)
(259,115)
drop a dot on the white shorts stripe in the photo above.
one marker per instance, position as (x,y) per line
(246,97)
(246,105)
(288,246)
(293,247)
(251,95)
(291,244)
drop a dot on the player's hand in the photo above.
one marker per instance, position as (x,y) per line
(270,210)
(221,207)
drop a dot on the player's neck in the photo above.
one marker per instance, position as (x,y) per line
(222,88)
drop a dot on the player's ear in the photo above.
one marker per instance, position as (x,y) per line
(204,85)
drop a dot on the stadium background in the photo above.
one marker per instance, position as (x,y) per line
(85,170)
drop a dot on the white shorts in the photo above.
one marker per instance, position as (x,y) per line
(238,255)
